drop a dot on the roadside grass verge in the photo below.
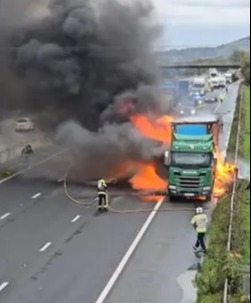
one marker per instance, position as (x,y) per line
(4,174)
(220,264)
(245,134)
(245,226)
(245,152)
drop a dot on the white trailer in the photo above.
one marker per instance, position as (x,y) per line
(214,82)
(199,85)
(229,77)
(222,81)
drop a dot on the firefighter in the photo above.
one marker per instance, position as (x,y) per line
(27,153)
(222,97)
(102,195)
(199,222)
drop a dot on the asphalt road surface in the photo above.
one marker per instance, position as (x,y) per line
(54,251)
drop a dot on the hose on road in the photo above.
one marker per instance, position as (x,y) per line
(129,211)
(75,200)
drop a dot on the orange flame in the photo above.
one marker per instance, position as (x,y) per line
(148,180)
(225,175)
(159,130)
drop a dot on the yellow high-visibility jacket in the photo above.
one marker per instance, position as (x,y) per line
(200,221)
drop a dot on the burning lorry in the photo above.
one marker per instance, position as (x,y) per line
(191,162)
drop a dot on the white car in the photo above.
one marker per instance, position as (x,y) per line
(24,125)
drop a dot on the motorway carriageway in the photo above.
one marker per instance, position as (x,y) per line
(53,251)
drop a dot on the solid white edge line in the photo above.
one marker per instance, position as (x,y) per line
(45,247)
(129,254)
(36,196)
(5,216)
(76,219)
(25,170)
(217,107)
(3,286)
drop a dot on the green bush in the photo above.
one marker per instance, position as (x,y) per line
(216,298)
(243,58)
(210,280)
(245,152)
(5,174)
(245,126)
(220,264)
(233,270)
(245,225)
(246,74)
(239,299)
(246,69)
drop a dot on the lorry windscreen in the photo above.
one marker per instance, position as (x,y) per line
(191,159)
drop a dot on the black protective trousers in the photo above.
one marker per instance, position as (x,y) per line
(201,241)
(102,201)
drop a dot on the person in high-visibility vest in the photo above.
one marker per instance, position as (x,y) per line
(222,97)
(200,222)
(102,195)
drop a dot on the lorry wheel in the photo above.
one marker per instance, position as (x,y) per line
(172,198)
(209,198)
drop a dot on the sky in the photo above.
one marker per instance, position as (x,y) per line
(203,22)
(190,22)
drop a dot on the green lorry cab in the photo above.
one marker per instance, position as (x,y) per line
(191,162)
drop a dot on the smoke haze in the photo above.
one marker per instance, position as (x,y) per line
(79,57)
(85,61)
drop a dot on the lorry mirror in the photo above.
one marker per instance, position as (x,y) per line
(167,160)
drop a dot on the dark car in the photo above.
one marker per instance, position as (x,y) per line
(211,99)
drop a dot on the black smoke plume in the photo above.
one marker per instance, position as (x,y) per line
(83,54)
(90,62)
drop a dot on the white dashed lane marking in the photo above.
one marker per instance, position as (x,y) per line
(45,247)
(3,286)
(5,216)
(36,196)
(76,219)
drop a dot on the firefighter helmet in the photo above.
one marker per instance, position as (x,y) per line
(199,210)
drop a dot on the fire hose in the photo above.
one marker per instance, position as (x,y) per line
(127,211)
